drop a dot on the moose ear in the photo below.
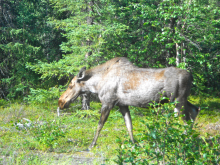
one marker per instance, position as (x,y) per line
(81,74)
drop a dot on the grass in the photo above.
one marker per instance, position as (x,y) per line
(209,116)
(34,134)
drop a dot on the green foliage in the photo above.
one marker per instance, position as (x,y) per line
(25,37)
(167,141)
(94,106)
(45,43)
(3,102)
(47,134)
(43,95)
(145,32)
(86,113)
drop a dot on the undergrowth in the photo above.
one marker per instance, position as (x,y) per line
(166,140)
(33,133)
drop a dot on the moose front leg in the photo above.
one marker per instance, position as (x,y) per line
(127,117)
(104,115)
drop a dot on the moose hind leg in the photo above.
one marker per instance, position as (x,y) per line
(104,116)
(127,117)
(181,106)
(191,111)
(182,103)
(176,111)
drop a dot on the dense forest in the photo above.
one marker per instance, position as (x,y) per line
(45,42)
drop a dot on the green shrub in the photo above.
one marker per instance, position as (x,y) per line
(2,102)
(167,140)
(43,95)
(46,133)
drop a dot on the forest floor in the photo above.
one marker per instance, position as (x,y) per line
(34,134)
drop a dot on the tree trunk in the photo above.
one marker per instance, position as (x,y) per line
(183,53)
(85,101)
(90,20)
(172,30)
(86,97)
(178,59)
(167,55)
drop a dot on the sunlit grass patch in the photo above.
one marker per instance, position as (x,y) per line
(209,116)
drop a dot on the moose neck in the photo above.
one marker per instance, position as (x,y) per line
(96,74)
(91,84)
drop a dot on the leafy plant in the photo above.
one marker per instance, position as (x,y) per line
(3,102)
(168,141)
(86,113)
(43,95)
(26,37)
(47,133)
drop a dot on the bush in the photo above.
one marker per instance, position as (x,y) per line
(2,102)
(168,141)
(46,133)
(43,95)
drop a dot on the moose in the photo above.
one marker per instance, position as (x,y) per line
(119,82)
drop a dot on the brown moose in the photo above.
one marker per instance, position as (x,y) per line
(119,82)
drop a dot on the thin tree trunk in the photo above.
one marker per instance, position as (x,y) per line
(172,30)
(178,59)
(167,55)
(86,97)
(183,56)
(90,20)
(85,101)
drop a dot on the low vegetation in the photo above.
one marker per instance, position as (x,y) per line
(34,134)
